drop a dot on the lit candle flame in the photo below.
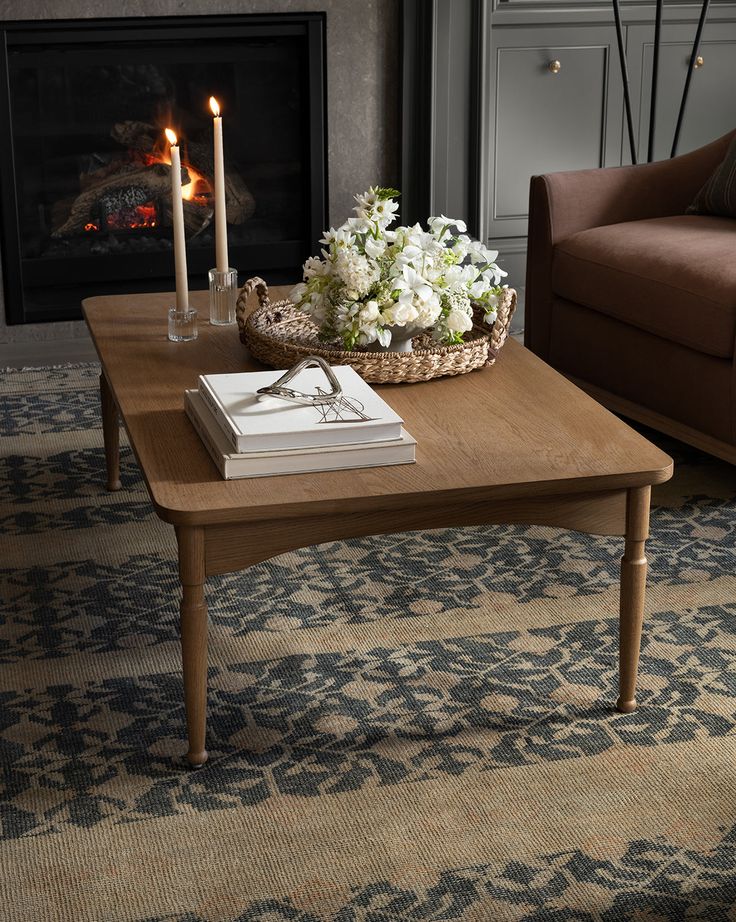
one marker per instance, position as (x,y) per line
(215,106)
(170,136)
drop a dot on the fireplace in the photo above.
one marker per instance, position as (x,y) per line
(85,188)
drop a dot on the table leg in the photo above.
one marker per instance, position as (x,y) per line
(633,588)
(110,434)
(194,638)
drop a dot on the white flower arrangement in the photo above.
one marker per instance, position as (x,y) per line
(372,280)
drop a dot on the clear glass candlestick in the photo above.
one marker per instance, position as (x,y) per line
(182,325)
(223,295)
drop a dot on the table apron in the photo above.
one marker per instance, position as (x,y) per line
(235,546)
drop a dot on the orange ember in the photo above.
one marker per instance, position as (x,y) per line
(141,216)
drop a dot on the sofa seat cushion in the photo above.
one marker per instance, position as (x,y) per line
(674,277)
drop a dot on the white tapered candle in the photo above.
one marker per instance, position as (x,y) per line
(221,255)
(177,216)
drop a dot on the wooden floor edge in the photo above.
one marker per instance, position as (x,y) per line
(658,421)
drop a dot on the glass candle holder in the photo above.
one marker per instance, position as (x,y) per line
(223,295)
(182,325)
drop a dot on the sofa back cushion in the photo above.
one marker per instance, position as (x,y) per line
(718,195)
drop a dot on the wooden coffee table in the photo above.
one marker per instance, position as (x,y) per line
(514,443)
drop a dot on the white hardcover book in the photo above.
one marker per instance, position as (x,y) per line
(291,461)
(253,423)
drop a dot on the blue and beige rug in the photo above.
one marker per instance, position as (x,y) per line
(412,728)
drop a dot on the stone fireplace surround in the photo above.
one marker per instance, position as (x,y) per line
(363,90)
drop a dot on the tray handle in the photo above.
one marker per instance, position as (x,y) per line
(241,306)
(502,323)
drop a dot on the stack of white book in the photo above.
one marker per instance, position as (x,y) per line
(249,435)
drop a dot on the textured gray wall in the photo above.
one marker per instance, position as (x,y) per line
(362,99)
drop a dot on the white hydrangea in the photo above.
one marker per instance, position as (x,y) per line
(315,266)
(356,271)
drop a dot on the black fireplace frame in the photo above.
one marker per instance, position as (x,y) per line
(177,28)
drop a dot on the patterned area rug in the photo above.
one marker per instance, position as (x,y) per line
(413,727)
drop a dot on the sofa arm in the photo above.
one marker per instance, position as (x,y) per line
(562,204)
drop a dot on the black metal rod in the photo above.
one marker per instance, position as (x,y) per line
(689,77)
(625,77)
(655,78)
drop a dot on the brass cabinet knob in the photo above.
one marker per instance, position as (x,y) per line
(554,67)
(699,61)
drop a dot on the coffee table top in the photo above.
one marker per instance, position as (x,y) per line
(515,429)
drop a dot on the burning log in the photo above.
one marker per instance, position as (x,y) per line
(145,138)
(134,190)
(128,188)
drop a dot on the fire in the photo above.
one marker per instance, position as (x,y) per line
(136,215)
(214,106)
(199,189)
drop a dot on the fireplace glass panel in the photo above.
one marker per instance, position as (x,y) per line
(92,171)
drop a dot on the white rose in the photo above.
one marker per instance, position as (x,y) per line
(454,276)
(429,311)
(459,322)
(370,312)
(401,313)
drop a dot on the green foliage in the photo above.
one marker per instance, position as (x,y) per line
(350,338)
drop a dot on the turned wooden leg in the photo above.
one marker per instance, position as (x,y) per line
(194,639)
(110,434)
(633,588)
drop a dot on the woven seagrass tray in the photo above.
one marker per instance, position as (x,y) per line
(279,335)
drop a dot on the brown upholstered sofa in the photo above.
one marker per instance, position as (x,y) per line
(636,300)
